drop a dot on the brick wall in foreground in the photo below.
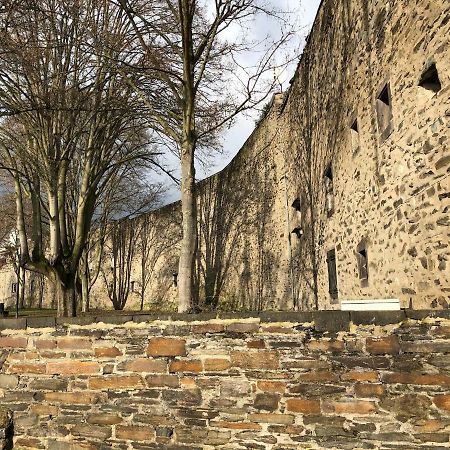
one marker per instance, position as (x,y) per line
(276,381)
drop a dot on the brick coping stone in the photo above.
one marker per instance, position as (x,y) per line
(323,321)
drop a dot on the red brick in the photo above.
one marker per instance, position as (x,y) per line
(360,376)
(74,344)
(417,378)
(243,327)
(166,347)
(186,366)
(205,328)
(116,382)
(76,398)
(350,407)
(256,343)
(107,352)
(369,390)
(235,425)
(13,342)
(326,346)
(162,381)
(272,386)
(303,406)
(134,433)
(442,402)
(73,367)
(216,364)
(320,376)
(145,365)
(23,356)
(45,344)
(383,345)
(255,360)
(26,368)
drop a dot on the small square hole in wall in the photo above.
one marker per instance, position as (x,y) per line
(354,132)
(430,83)
(384,112)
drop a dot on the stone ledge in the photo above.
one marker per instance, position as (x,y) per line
(323,321)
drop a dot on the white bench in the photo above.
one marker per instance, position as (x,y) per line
(369,304)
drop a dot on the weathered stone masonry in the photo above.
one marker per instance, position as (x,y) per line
(390,182)
(275,381)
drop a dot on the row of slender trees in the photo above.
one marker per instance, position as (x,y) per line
(93,93)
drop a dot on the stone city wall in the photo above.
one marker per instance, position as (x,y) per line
(286,381)
(390,183)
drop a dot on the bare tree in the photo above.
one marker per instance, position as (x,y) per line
(203,86)
(71,123)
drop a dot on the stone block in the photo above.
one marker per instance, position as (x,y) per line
(73,367)
(115,382)
(255,360)
(166,347)
(216,364)
(349,407)
(162,381)
(41,322)
(107,352)
(13,342)
(271,386)
(189,366)
(8,381)
(303,406)
(146,365)
(388,345)
(442,402)
(331,321)
(266,402)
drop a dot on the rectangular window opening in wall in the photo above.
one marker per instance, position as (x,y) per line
(329,191)
(332,274)
(363,267)
(430,83)
(354,132)
(384,112)
(14,288)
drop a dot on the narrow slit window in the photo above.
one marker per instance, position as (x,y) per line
(384,112)
(363,266)
(354,132)
(332,274)
(430,81)
(329,191)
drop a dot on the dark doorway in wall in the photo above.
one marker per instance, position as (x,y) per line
(332,274)
(384,112)
(430,80)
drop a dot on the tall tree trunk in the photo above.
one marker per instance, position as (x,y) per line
(65,296)
(84,277)
(189,241)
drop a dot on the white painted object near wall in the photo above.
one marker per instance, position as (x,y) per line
(379,304)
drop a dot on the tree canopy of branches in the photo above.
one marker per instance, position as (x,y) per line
(70,124)
(202,85)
